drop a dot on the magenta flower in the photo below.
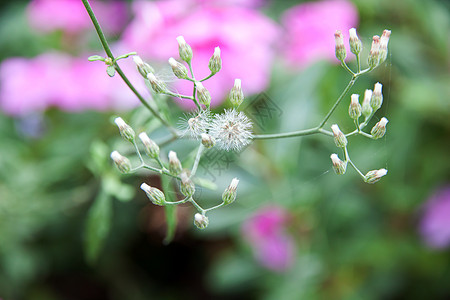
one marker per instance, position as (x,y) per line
(272,246)
(71,17)
(310,30)
(435,222)
(244,35)
(58,80)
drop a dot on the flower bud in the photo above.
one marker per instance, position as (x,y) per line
(339,166)
(174,164)
(184,49)
(229,195)
(374,54)
(354,109)
(379,129)
(187,187)
(377,97)
(125,130)
(203,95)
(366,108)
(236,95)
(154,195)
(151,148)
(341,54)
(178,69)
(208,141)
(201,221)
(374,175)
(143,68)
(355,42)
(157,85)
(215,62)
(122,163)
(384,40)
(339,137)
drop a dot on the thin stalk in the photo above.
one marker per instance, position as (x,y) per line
(207,77)
(197,159)
(214,207)
(138,152)
(286,134)
(195,88)
(198,207)
(344,65)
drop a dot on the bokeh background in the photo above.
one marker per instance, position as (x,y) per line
(73,227)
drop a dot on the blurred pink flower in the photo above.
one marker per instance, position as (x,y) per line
(435,222)
(310,30)
(265,231)
(244,36)
(62,81)
(70,16)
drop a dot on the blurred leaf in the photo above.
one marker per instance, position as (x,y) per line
(114,187)
(170,210)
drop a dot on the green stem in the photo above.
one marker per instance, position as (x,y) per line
(119,70)
(207,77)
(197,159)
(198,207)
(344,65)
(287,134)
(214,207)
(178,95)
(195,88)
(138,152)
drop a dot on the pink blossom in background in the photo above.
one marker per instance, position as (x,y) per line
(244,36)
(70,15)
(310,29)
(59,80)
(272,246)
(435,222)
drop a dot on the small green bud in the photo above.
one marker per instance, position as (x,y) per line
(374,54)
(215,62)
(201,221)
(339,166)
(208,141)
(377,97)
(374,175)
(122,163)
(384,40)
(125,130)
(157,85)
(366,108)
(151,148)
(184,49)
(355,42)
(379,129)
(178,69)
(354,109)
(236,95)
(187,187)
(143,68)
(175,167)
(154,195)
(339,138)
(229,195)
(203,95)
(341,54)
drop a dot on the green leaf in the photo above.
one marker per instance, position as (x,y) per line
(125,55)
(170,210)
(97,226)
(96,58)
(111,71)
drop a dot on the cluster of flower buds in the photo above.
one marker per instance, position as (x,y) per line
(125,130)
(184,49)
(175,167)
(229,195)
(236,95)
(178,68)
(374,175)
(339,166)
(203,95)
(122,163)
(378,51)
(154,195)
(151,148)
(339,138)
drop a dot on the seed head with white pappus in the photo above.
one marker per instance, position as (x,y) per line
(125,130)
(374,175)
(229,195)
(195,124)
(379,129)
(232,130)
(154,195)
(339,138)
(201,221)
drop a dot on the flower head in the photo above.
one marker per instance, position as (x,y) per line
(232,130)
(195,124)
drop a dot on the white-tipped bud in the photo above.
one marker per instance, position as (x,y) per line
(125,130)
(175,167)
(154,195)
(215,62)
(151,148)
(184,49)
(341,54)
(339,138)
(178,68)
(355,42)
(122,163)
(201,221)
(374,54)
(158,86)
(374,175)
(208,141)
(143,68)
(187,187)
(377,97)
(203,95)
(229,195)
(354,109)
(236,95)
(366,108)
(379,129)
(339,166)
(384,40)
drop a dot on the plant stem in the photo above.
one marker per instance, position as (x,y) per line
(197,159)
(195,88)
(109,53)
(214,207)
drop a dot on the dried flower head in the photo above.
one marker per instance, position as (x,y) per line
(232,130)
(195,124)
